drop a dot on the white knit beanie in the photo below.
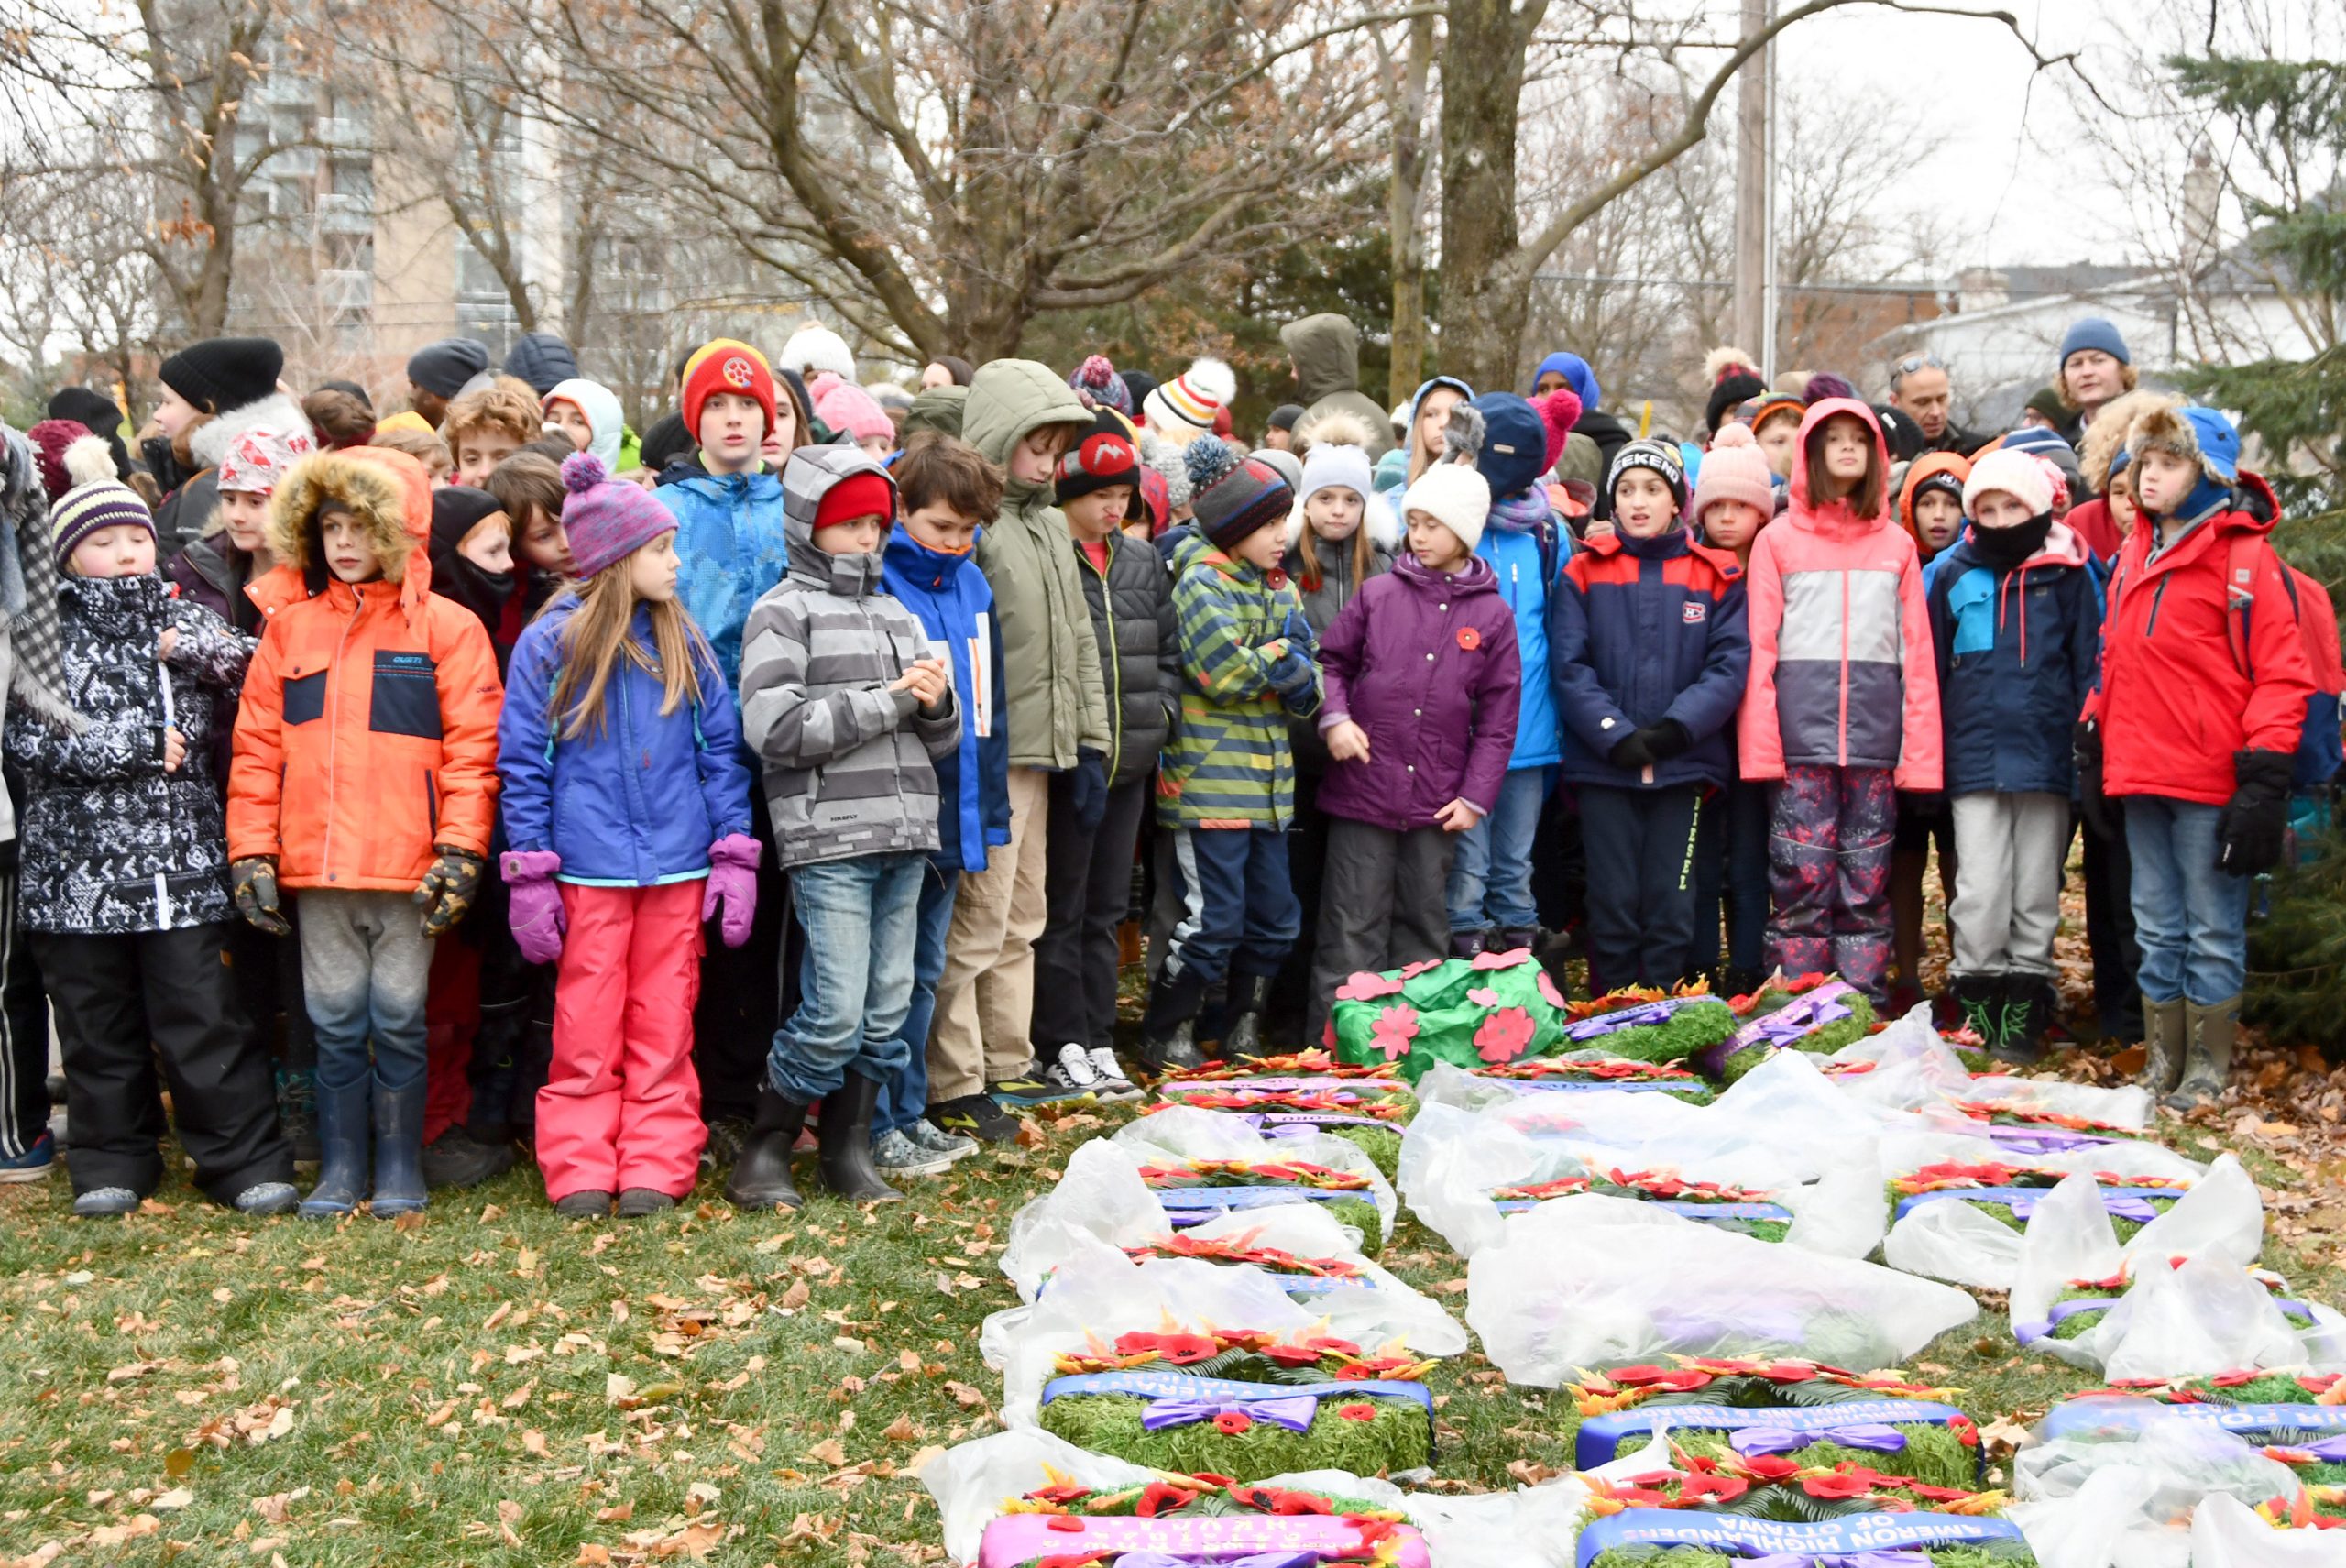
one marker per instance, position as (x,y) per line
(1455,496)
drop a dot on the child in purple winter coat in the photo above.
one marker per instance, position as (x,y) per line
(1423,681)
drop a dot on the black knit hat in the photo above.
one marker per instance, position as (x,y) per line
(1101,457)
(1286,416)
(1233,496)
(100,414)
(455,510)
(442,368)
(223,373)
(1728,390)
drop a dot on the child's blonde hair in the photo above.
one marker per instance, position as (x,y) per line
(597,636)
(509,409)
(424,445)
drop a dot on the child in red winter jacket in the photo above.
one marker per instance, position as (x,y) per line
(1843,705)
(2193,729)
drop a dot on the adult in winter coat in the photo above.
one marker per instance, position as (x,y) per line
(2016,619)
(1324,351)
(123,884)
(1842,706)
(1513,444)
(1022,417)
(1649,655)
(2195,728)
(213,391)
(1420,671)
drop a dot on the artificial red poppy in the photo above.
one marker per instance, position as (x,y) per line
(1290,1354)
(1300,1503)
(1357,1412)
(1229,1423)
(1186,1350)
(1712,1488)
(1638,1377)
(1936,1494)
(1063,1522)
(1469,639)
(1157,1497)
(1770,1467)
(1837,1485)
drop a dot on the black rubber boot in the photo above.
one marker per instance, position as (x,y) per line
(462,1156)
(1526,939)
(1166,1029)
(843,1144)
(1250,997)
(2028,1007)
(344,1131)
(761,1178)
(1466,944)
(1981,999)
(398,1149)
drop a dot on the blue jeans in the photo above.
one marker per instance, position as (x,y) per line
(1490,878)
(1239,913)
(856,982)
(2190,918)
(903,1097)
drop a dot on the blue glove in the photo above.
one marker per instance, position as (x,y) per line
(1293,672)
(1089,788)
(1298,630)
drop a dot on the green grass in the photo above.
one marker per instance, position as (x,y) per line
(1108,1423)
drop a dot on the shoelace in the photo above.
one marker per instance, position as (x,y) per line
(1075,1063)
(1104,1062)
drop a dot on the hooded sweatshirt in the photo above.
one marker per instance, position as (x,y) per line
(1843,672)
(2017,652)
(1919,472)
(954,605)
(601,407)
(1058,700)
(847,759)
(1326,352)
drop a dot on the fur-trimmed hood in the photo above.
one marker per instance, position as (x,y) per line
(2106,436)
(209,442)
(387,490)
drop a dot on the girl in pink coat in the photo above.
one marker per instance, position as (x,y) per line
(1843,707)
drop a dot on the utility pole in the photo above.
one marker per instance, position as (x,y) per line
(1751,194)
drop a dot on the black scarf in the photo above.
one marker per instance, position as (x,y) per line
(2004,549)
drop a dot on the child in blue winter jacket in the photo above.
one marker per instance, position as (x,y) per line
(946,491)
(2017,624)
(1649,658)
(1513,444)
(627,811)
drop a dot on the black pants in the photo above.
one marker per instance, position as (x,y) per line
(1641,845)
(115,994)
(24,1020)
(740,992)
(2109,935)
(1306,864)
(513,1048)
(1382,905)
(1088,882)
(1731,872)
(268,971)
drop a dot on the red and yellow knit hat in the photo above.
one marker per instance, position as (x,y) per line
(725,365)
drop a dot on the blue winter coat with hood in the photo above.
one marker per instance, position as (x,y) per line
(635,802)
(953,602)
(2017,653)
(730,548)
(1527,549)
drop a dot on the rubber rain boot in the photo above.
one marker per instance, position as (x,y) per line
(2208,1035)
(1250,996)
(1979,1000)
(843,1143)
(2162,1046)
(1167,1042)
(345,1128)
(761,1178)
(398,1149)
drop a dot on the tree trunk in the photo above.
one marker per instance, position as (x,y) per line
(1484,305)
(1406,212)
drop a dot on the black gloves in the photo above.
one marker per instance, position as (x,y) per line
(2101,816)
(2250,832)
(449,888)
(252,882)
(1089,788)
(1650,744)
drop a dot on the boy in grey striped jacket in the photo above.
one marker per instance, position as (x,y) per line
(845,702)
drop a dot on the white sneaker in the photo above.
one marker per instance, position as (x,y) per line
(1071,1071)
(933,1139)
(1116,1083)
(898,1155)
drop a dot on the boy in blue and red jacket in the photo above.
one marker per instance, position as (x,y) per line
(1650,655)
(945,492)
(2194,729)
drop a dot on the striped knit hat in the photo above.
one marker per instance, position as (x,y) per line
(97,499)
(1233,496)
(1186,406)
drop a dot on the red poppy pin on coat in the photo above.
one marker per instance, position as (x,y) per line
(1469,639)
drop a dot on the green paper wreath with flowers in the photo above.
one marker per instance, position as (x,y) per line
(1346,1194)
(1368,1114)
(1817,1013)
(1243,1405)
(1876,1420)
(1487,1011)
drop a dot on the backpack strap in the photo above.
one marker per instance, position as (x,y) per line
(2242,559)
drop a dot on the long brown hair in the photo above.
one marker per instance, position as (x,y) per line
(598,634)
(1308,544)
(1870,497)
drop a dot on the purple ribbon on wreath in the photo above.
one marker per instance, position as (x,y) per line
(2329,1451)
(1293,1411)
(1604,1023)
(2117,1205)
(1871,1437)
(1304,1557)
(1824,1560)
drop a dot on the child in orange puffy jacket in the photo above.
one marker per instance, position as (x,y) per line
(365,776)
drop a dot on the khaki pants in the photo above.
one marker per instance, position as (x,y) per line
(985,1000)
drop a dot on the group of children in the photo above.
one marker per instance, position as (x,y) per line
(891,714)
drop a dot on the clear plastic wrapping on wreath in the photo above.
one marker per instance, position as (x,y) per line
(1190,1131)
(1595,1281)
(2121,1494)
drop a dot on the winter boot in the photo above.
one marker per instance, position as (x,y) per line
(1166,1029)
(2027,1007)
(843,1143)
(1249,996)
(761,1178)
(398,1149)
(1513,937)
(297,1111)
(1979,998)
(2162,1046)
(345,1126)
(462,1156)
(2208,1034)
(1466,944)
